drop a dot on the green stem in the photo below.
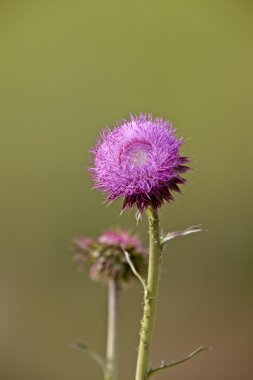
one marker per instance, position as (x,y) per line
(150,296)
(112,332)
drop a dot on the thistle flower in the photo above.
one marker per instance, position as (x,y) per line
(105,258)
(140,161)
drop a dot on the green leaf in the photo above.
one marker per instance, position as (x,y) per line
(173,364)
(187,231)
(83,347)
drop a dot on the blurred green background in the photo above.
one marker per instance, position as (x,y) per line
(68,69)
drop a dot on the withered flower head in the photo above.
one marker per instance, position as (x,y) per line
(105,258)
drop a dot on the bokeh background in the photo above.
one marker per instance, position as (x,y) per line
(69,68)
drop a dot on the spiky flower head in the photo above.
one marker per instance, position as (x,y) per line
(105,258)
(140,161)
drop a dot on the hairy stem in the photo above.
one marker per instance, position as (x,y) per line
(112,332)
(150,296)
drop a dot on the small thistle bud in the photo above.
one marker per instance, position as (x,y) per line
(105,258)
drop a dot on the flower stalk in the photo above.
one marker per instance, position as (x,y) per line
(112,332)
(150,296)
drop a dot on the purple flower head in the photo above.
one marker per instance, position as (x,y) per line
(140,161)
(105,258)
